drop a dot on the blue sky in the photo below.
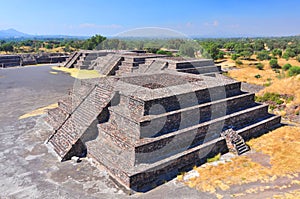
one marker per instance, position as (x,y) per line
(194,17)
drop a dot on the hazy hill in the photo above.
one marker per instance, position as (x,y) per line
(12,33)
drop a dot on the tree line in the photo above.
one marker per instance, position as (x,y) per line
(235,48)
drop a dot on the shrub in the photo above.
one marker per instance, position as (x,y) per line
(213,159)
(257,76)
(268,97)
(235,56)
(286,66)
(274,63)
(238,62)
(162,52)
(294,70)
(277,52)
(263,55)
(276,70)
(285,56)
(260,66)
(274,97)
(298,58)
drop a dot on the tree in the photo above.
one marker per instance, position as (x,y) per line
(258,45)
(260,66)
(246,54)
(277,52)
(298,58)
(286,66)
(213,50)
(187,50)
(263,55)
(288,54)
(294,70)
(274,63)
(93,42)
(7,47)
(235,56)
(220,55)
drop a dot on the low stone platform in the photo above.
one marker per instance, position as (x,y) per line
(155,118)
(166,123)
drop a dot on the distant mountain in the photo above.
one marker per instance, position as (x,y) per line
(12,33)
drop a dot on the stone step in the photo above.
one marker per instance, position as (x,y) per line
(108,64)
(169,144)
(182,118)
(201,70)
(56,117)
(66,104)
(171,102)
(73,60)
(168,168)
(80,120)
(194,63)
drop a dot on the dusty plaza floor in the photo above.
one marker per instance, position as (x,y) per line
(28,169)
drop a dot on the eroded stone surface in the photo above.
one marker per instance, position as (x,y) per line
(29,169)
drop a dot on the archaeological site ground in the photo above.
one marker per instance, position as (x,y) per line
(150,117)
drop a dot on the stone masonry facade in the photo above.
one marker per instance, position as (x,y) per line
(146,126)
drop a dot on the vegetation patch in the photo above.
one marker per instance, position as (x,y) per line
(294,70)
(215,158)
(282,146)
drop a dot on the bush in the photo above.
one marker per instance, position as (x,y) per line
(213,159)
(260,66)
(238,62)
(274,97)
(257,76)
(162,52)
(277,52)
(274,63)
(263,55)
(235,56)
(298,58)
(286,66)
(294,70)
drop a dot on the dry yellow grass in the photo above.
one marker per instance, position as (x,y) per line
(289,86)
(39,111)
(283,147)
(247,71)
(248,75)
(78,74)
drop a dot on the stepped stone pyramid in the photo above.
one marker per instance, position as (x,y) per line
(146,128)
(124,62)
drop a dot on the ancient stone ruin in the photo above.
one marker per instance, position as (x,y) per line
(152,117)
(31,59)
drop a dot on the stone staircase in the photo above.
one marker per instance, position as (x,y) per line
(84,58)
(152,67)
(77,119)
(72,60)
(203,66)
(142,147)
(107,65)
(235,142)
